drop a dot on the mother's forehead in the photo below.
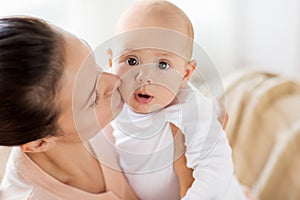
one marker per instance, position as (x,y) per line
(80,69)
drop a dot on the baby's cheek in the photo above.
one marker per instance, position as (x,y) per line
(126,90)
(166,96)
(120,69)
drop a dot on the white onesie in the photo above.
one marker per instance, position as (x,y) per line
(146,150)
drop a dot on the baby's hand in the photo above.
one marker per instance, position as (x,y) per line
(184,174)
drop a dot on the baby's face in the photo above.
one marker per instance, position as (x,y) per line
(151,78)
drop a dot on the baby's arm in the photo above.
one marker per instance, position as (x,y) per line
(207,150)
(212,172)
(184,174)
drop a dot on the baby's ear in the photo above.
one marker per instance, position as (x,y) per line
(189,69)
(109,53)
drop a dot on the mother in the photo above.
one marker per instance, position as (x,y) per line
(39,64)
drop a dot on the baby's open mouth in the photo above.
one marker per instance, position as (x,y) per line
(143,97)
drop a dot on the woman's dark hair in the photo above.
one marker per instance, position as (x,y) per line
(31,66)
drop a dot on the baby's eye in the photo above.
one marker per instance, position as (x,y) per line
(132,61)
(163,65)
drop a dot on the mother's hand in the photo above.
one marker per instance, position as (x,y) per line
(184,174)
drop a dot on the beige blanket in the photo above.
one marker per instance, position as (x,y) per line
(264,113)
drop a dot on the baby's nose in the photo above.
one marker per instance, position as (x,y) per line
(143,77)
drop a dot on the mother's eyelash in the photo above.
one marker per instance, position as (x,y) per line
(96,100)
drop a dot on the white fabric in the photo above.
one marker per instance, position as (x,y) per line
(145,146)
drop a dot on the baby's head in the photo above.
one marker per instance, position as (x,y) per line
(155,61)
(155,13)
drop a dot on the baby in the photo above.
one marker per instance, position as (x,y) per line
(155,65)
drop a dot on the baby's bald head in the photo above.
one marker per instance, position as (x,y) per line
(160,14)
(155,13)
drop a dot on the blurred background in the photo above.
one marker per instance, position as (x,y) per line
(239,36)
(260,34)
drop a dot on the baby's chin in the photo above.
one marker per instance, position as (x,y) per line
(145,109)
